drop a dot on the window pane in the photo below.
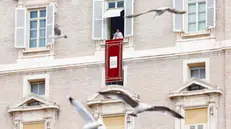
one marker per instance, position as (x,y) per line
(201,7)
(42,13)
(33,24)
(192,27)
(120,4)
(202,73)
(194,73)
(42,23)
(33,14)
(34,88)
(192,127)
(42,89)
(33,43)
(192,8)
(200,127)
(192,17)
(201,26)
(201,16)
(42,42)
(42,33)
(33,33)
(111,5)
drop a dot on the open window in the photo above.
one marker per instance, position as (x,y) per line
(109,16)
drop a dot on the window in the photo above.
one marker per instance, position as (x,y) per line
(196,118)
(114,122)
(38,88)
(201,14)
(37,29)
(109,16)
(197,70)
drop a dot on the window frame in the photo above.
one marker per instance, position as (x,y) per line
(196,126)
(29,10)
(116,4)
(198,68)
(37,84)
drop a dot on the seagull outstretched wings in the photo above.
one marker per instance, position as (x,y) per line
(91,123)
(158,11)
(138,107)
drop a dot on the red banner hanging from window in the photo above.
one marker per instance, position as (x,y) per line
(113,60)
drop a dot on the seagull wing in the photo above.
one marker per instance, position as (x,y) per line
(82,111)
(139,14)
(121,95)
(172,10)
(165,109)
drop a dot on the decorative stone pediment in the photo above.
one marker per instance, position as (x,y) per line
(33,102)
(195,86)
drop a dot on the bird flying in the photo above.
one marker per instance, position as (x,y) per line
(138,106)
(159,11)
(91,123)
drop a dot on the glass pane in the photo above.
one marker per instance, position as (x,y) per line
(192,8)
(33,43)
(42,42)
(120,4)
(192,127)
(202,73)
(42,23)
(34,88)
(111,5)
(33,24)
(201,26)
(192,17)
(201,7)
(33,14)
(192,27)
(42,89)
(200,127)
(201,16)
(194,73)
(33,33)
(42,13)
(42,33)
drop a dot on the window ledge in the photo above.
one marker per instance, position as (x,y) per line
(31,50)
(194,34)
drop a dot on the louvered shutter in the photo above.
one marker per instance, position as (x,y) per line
(211,13)
(178,19)
(20,27)
(50,16)
(128,22)
(97,17)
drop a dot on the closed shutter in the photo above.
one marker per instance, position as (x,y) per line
(20,27)
(97,23)
(50,10)
(211,13)
(178,19)
(34,126)
(196,116)
(114,122)
(128,22)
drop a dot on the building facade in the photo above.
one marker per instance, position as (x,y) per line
(179,61)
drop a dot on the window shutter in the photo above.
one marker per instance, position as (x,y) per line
(128,22)
(211,13)
(50,18)
(97,23)
(20,27)
(178,19)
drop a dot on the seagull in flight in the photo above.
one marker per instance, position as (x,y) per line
(138,106)
(159,11)
(57,33)
(91,123)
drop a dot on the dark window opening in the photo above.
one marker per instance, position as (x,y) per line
(195,87)
(116,23)
(117,82)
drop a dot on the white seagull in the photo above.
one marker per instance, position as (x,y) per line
(138,107)
(159,11)
(57,33)
(91,123)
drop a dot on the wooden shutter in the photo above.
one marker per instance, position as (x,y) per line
(50,22)
(34,126)
(20,27)
(178,19)
(97,23)
(211,13)
(114,122)
(196,116)
(128,22)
